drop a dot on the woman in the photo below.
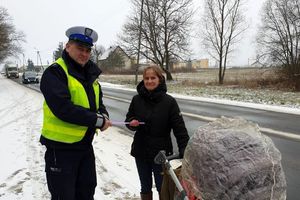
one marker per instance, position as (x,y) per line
(152,114)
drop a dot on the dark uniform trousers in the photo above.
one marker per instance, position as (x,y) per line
(71,174)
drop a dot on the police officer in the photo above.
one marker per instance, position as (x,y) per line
(73,111)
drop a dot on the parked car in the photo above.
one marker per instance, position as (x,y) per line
(30,77)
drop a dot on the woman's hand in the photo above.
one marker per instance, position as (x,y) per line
(134,123)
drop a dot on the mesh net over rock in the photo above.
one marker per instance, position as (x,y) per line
(231,159)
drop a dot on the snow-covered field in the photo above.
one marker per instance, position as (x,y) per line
(22,174)
(197,85)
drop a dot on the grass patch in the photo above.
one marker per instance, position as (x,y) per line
(250,84)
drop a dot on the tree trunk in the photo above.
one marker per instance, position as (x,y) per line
(297,85)
(220,69)
(221,80)
(168,74)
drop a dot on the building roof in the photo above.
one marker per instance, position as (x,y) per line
(111,49)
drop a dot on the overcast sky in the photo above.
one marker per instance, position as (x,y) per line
(45,22)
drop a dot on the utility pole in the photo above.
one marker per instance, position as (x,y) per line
(23,62)
(139,44)
(39,56)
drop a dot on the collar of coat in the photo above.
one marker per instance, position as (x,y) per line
(89,72)
(154,95)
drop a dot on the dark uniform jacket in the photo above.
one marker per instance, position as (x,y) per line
(161,113)
(54,86)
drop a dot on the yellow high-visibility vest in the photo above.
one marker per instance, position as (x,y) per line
(59,130)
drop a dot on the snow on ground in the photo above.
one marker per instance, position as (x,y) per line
(195,84)
(22,174)
(283,109)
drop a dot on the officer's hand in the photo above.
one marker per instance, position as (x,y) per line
(107,123)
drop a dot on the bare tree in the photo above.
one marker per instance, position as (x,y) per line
(97,51)
(279,36)
(58,52)
(223,25)
(164,32)
(10,39)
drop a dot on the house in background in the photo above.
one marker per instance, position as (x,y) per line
(190,64)
(115,58)
(200,64)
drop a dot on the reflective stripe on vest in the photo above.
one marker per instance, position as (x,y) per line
(61,131)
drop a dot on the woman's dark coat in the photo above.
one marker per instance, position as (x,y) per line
(161,113)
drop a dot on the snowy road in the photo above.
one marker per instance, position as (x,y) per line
(22,168)
(22,174)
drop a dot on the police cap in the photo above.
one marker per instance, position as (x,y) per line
(83,35)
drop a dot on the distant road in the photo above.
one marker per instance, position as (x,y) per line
(280,122)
